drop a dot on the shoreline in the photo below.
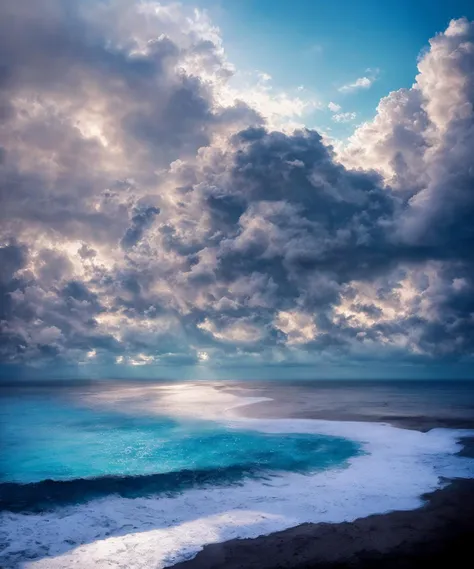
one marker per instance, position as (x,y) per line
(434,534)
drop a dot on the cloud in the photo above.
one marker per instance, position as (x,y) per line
(280,109)
(419,141)
(360,83)
(344,117)
(298,327)
(334,107)
(141,220)
(340,117)
(155,212)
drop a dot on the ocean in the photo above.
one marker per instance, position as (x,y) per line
(144,474)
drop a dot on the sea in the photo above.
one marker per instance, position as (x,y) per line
(144,474)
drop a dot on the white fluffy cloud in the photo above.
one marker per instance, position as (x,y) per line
(421,138)
(359,83)
(280,109)
(344,117)
(334,107)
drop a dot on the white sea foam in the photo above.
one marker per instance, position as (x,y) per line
(400,465)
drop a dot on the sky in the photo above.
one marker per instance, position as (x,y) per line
(236,189)
(323,46)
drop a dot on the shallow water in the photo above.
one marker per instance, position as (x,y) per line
(46,438)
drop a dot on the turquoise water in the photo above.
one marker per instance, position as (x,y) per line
(55,439)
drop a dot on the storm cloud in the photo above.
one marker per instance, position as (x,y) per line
(146,218)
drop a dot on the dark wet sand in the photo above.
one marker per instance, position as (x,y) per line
(439,534)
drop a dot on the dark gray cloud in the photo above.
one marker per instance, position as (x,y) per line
(141,220)
(145,221)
